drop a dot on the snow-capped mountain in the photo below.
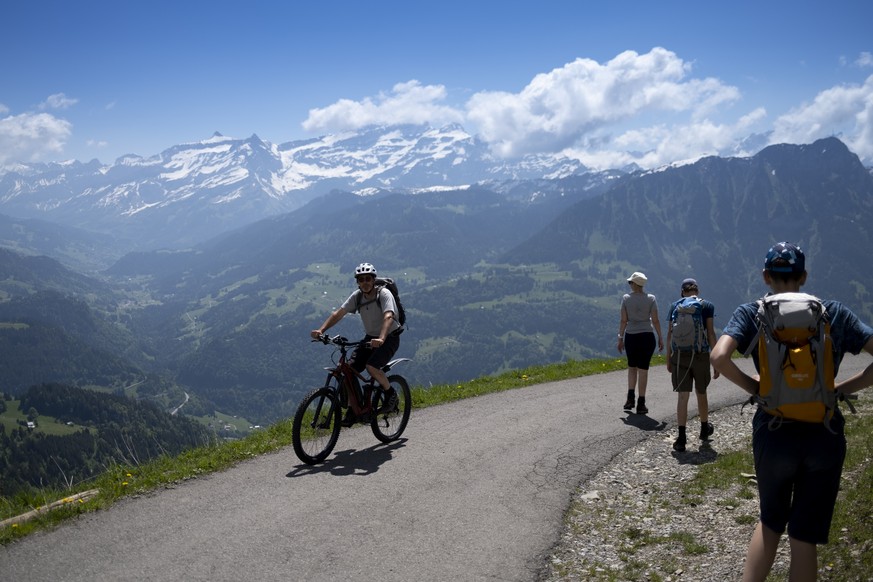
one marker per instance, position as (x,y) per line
(191,192)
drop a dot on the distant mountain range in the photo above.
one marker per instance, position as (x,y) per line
(495,275)
(192,192)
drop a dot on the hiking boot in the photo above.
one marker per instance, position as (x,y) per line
(629,405)
(641,406)
(706,430)
(679,444)
(390,402)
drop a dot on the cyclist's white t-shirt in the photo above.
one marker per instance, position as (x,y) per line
(372,314)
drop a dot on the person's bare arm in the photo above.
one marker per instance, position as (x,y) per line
(331,321)
(860,380)
(656,323)
(622,325)
(721,360)
(710,338)
(387,318)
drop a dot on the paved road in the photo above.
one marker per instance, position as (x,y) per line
(475,491)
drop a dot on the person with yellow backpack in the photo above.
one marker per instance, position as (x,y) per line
(798,437)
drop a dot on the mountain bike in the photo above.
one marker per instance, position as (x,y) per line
(318,418)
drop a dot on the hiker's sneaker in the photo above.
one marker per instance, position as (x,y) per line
(391,402)
(349,419)
(706,430)
(629,405)
(641,408)
(679,444)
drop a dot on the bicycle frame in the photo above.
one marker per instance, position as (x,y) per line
(358,389)
(352,383)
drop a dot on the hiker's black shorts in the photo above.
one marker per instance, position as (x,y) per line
(365,355)
(798,467)
(690,368)
(639,348)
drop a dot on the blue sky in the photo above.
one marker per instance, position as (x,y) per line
(607,82)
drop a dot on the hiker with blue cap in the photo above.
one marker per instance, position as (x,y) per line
(798,459)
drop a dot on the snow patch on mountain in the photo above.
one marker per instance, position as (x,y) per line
(194,190)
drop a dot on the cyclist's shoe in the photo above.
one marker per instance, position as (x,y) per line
(349,419)
(706,430)
(641,406)
(679,444)
(390,402)
(629,405)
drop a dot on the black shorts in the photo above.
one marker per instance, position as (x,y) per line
(639,348)
(798,467)
(365,355)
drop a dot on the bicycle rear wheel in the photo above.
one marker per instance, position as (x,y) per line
(316,426)
(388,426)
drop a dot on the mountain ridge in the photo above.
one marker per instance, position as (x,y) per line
(491,281)
(191,192)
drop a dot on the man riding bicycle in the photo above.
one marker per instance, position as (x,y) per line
(377,307)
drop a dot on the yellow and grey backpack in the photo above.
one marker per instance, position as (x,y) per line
(796,359)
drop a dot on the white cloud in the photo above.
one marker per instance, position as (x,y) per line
(58,101)
(659,145)
(581,104)
(846,111)
(865,59)
(570,104)
(409,102)
(30,137)
(3,109)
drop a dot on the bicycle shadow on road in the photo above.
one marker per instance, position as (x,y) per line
(644,422)
(352,461)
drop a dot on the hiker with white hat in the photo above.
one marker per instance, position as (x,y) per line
(636,337)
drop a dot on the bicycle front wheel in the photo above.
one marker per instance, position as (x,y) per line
(389,425)
(316,426)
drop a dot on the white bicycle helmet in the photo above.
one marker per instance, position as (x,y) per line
(365,269)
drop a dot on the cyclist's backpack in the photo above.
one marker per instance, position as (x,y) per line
(688,331)
(392,286)
(796,359)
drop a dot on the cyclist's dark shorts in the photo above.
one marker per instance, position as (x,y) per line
(639,348)
(798,466)
(377,358)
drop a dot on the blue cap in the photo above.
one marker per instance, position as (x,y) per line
(785,257)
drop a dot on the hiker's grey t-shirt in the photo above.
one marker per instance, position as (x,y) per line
(372,314)
(639,308)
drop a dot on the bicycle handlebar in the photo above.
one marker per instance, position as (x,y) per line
(338,340)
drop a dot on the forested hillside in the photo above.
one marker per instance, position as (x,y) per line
(100,430)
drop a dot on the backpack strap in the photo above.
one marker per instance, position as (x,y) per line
(754,343)
(359,301)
